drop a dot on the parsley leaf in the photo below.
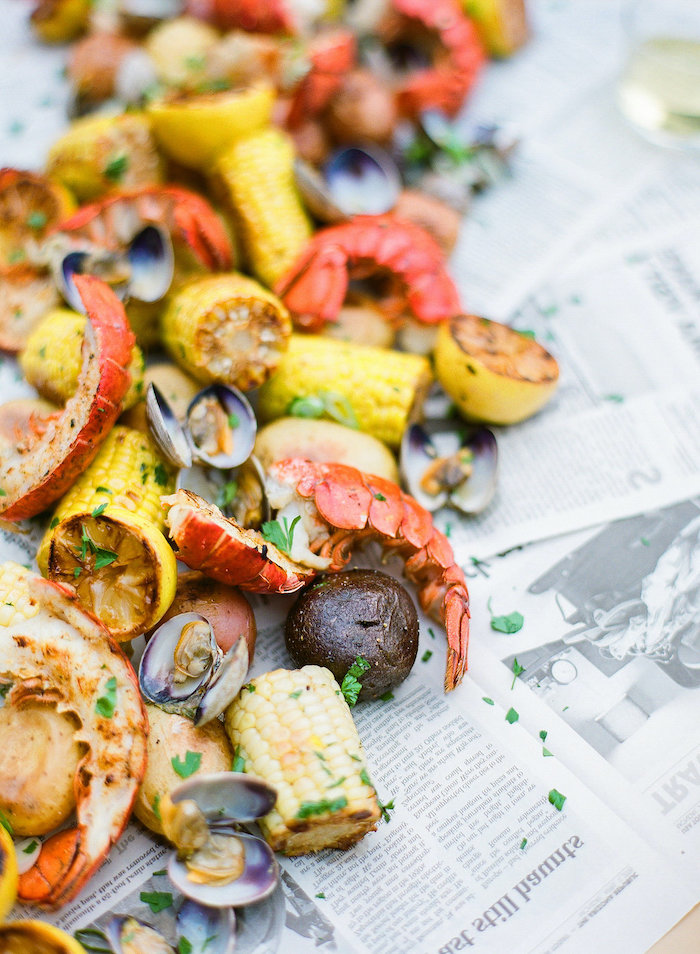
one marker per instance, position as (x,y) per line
(322,807)
(102,490)
(98,510)
(187,767)
(156,900)
(117,167)
(320,895)
(54,523)
(156,806)
(226,494)
(184,946)
(426,655)
(238,760)
(32,846)
(107,703)
(36,220)
(387,696)
(279,536)
(543,735)
(523,843)
(510,623)
(386,808)
(557,799)
(6,823)
(104,557)
(488,700)
(517,670)
(351,685)
(332,404)
(160,474)
(512,716)
(546,753)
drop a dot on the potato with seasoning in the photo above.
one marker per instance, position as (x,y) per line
(357,613)
(176,750)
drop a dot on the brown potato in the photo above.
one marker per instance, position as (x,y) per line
(362,110)
(170,738)
(324,441)
(38,760)
(93,63)
(225,607)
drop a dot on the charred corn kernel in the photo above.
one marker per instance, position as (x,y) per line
(226,328)
(294,729)
(16,604)
(196,130)
(383,388)
(258,173)
(99,153)
(60,21)
(52,358)
(106,539)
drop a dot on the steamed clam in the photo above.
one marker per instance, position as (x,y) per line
(444,464)
(197,929)
(184,670)
(356,180)
(216,864)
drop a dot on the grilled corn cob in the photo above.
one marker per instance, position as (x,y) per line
(99,153)
(383,388)
(52,358)
(294,730)
(106,539)
(226,328)
(258,173)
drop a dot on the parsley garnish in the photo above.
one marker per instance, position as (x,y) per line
(320,895)
(557,799)
(3,493)
(238,760)
(233,420)
(156,806)
(98,510)
(522,844)
(54,523)
(226,494)
(156,900)
(364,776)
(279,536)
(107,703)
(379,496)
(184,946)
(510,623)
(36,220)
(351,685)
(160,474)
(296,694)
(517,670)
(102,490)
(488,701)
(32,846)
(337,782)
(334,405)
(426,655)
(116,167)
(249,686)
(386,808)
(545,752)
(543,734)
(6,823)
(88,936)
(387,696)
(325,805)
(104,557)
(512,716)
(77,571)
(187,767)
(431,632)
(160,873)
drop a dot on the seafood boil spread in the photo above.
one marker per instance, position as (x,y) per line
(229,289)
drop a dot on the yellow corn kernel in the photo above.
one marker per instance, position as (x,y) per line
(16,603)
(258,174)
(383,388)
(294,729)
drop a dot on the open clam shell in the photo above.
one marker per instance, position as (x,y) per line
(221,425)
(209,930)
(126,934)
(227,797)
(105,265)
(314,191)
(151,263)
(258,880)
(362,180)
(168,434)
(443,463)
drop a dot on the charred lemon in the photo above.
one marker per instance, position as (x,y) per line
(493,373)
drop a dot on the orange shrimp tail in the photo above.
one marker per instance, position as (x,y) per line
(40,884)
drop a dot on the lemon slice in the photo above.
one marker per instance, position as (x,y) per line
(120,565)
(493,373)
(195,130)
(8,873)
(38,937)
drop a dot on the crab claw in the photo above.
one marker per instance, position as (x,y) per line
(40,469)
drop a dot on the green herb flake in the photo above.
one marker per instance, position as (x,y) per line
(488,701)
(426,655)
(36,220)
(512,716)
(644,542)
(189,766)
(523,843)
(238,764)
(527,333)
(103,490)
(379,496)
(107,703)
(322,807)
(233,420)
(565,708)
(310,406)
(98,510)
(77,571)
(364,777)
(157,900)
(42,351)
(104,557)
(160,873)
(3,493)
(280,536)
(156,807)
(54,523)
(296,694)
(543,734)
(546,753)
(31,847)
(320,895)
(510,623)
(351,685)
(226,494)
(160,475)
(116,168)
(557,799)
(6,823)
(88,936)
(386,808)
(387,696)
(517,670)
(249,686)
(337,782)
(184,946)
(431,632)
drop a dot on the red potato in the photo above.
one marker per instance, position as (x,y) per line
(225,607)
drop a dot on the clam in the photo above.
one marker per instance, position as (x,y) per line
(151,264)
(356,180)
(166,431)
(108,266)
(222,426)
(216,864)
(184,670)
(443,464)
(198,929)
(129,935)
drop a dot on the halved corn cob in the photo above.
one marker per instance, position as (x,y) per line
(16,603)
(384,388)
(106,538)
(52,358)
(99,153)
(294,729)
(226,328)
(258,173)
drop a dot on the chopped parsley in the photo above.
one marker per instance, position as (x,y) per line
(107,703)
(36,220)
(517,670)
(116,168)
(296,694)
(385,808)
(379,496)
(156,807)
(332,404)
(54,523)
(431,632)
(522,844)
(426,655)
(510,623)
(226,493)
(98,510)
(156,900)
(351,685)
(543,734)
(488,700)
(233,420)
(322,807)
(557,799)
(88,936)
(280,536)
(184,946)
(31,847)
(238,764)
(337,782)
(320,895)
(104,557)
(77,571)
(160,474)
(364,776)
(387,696)
(6,823)
(546,753)
(512,716)
(189,766)
(249,686)
(102,490)
(3,493)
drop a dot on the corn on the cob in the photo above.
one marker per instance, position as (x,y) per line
(383,387)
(106,538)
(258,173)
(52,358)
(16,603)
(294,730)
(226,328)
(99,153)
